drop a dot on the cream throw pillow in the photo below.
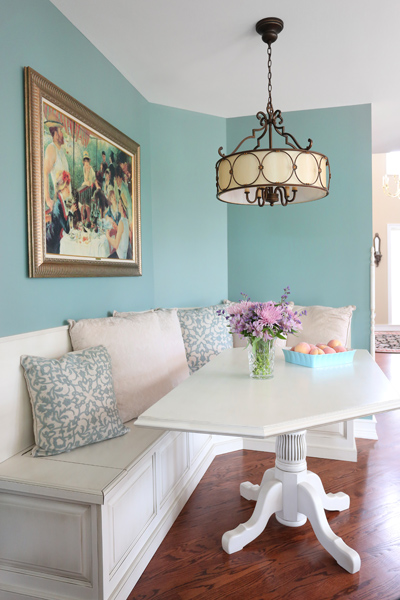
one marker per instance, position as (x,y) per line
(323,323)
(172,336)
(139,350)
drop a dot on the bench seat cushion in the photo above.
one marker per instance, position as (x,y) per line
(84,473)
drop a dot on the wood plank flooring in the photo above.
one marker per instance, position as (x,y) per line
(287,563)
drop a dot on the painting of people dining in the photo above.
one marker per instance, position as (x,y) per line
(90,191)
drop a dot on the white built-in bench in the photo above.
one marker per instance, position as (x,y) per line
(83,525)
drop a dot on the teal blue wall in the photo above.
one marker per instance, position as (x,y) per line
(320,249)
(34,33)
(189,225)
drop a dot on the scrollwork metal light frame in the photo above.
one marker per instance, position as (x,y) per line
(305,176)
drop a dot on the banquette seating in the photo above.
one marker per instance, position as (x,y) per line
(81,518)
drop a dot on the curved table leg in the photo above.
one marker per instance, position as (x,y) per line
(293,494)
(250,491)
(269,501)
(310,503)
(339,501)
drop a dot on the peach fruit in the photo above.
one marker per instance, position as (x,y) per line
(322,346)
(314,351)
(302,347)
(334,343)
(340,349)
(320,351)
(328,350)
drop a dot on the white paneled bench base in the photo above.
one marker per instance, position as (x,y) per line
(84,525)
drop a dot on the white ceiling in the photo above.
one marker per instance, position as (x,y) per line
(205,55)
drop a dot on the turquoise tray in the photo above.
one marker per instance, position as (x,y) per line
(318,360)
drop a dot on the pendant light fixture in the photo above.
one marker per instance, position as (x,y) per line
(273,175)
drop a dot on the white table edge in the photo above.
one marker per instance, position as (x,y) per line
(266,431)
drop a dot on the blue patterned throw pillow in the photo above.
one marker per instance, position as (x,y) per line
(204,333)
(73,400)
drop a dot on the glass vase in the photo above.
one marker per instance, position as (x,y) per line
(261,358)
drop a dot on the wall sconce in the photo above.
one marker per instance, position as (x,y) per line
(377,249)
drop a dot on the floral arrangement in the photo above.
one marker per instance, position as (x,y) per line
(264,320)
(262,323)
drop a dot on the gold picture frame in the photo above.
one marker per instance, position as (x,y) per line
(83,188)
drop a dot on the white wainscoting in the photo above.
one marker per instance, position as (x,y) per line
(366,428)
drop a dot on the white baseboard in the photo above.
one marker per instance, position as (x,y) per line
(224,444)
(365,428)
(393,328)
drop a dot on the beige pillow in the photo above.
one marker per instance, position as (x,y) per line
(138,349)
(173,341)
(324,323)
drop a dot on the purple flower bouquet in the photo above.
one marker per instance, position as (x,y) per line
(262,323)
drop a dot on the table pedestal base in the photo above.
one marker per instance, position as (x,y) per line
(294,495)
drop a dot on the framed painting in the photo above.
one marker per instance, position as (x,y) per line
(83,188)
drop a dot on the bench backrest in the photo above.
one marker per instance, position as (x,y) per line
(16,432)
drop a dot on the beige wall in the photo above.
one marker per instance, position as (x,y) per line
(384,210)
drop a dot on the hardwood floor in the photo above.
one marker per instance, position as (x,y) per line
(286,563)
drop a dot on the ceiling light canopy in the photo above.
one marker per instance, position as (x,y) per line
(273,175)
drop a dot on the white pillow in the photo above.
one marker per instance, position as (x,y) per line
(173,342)
(323,323)
(138,349)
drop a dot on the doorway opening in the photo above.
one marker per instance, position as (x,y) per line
(393,237)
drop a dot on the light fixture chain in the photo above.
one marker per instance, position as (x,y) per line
(270,109)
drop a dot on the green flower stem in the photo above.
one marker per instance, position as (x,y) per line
(261,358)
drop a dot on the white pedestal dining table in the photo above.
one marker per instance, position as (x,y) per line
(221,398)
